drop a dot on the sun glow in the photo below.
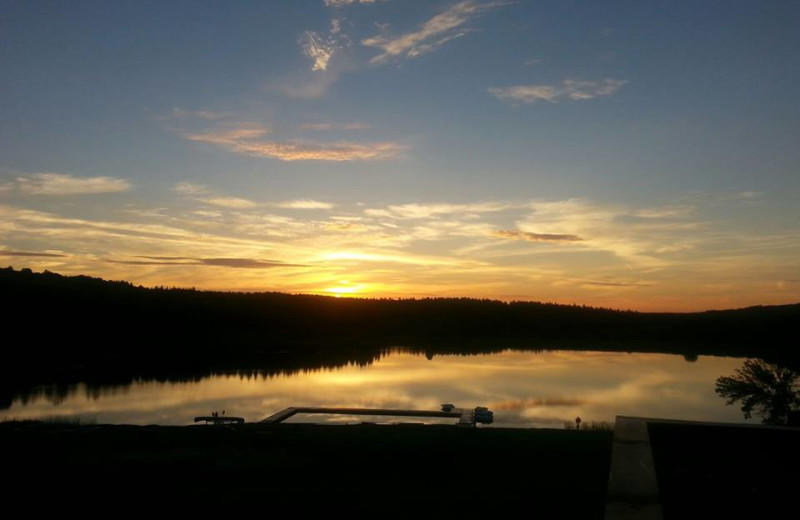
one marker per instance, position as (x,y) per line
(345,289)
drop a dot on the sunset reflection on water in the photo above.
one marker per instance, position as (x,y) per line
(524,389)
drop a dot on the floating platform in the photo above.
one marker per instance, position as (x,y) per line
(466,417)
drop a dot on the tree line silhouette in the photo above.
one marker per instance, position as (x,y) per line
(79,328)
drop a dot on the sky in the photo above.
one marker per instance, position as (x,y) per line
(625,154)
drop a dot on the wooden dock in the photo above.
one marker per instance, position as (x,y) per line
(466,417)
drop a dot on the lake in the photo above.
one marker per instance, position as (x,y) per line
(524,389)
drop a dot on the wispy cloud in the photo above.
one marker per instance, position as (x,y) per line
(203,194)
(247,141)
(319,48)
(434,33)
(227,134)
(230,202)
(208,115)
(422,211)
(334,126)
(310,85)
(342,3)
(305,204)
(63,184)
(536,237)
(615,284)
(189,188)
(568,89)
(30,253)
(662,212)
(399,258)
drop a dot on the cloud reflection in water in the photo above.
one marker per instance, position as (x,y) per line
(523,388)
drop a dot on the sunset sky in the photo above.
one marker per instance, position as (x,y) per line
(628,154)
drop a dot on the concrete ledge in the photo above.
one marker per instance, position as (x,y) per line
(632,482)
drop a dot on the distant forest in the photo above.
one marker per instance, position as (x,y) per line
(88,328)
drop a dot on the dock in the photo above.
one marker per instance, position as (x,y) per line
(466,417)
(219,419)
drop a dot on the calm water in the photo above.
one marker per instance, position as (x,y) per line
(523,389)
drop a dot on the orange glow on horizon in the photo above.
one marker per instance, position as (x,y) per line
(345,289)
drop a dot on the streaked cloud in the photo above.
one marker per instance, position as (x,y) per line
(202,193)
(522,404)
(63,184)
(52,226)
(642,237)
(245,263)
(434,33)
(662,212)
(208,214)
(305,204)
(236,263)
(615,284)
(568,89)
(422,211)
(345,226)
(6,252)
(230,202)
(205,195)
(536,237)
(247,141)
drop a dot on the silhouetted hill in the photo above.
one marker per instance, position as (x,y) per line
(101,329)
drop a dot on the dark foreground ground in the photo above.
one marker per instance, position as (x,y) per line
(308,469)
(712,471)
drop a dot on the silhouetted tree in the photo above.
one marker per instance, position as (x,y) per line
(769,390)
